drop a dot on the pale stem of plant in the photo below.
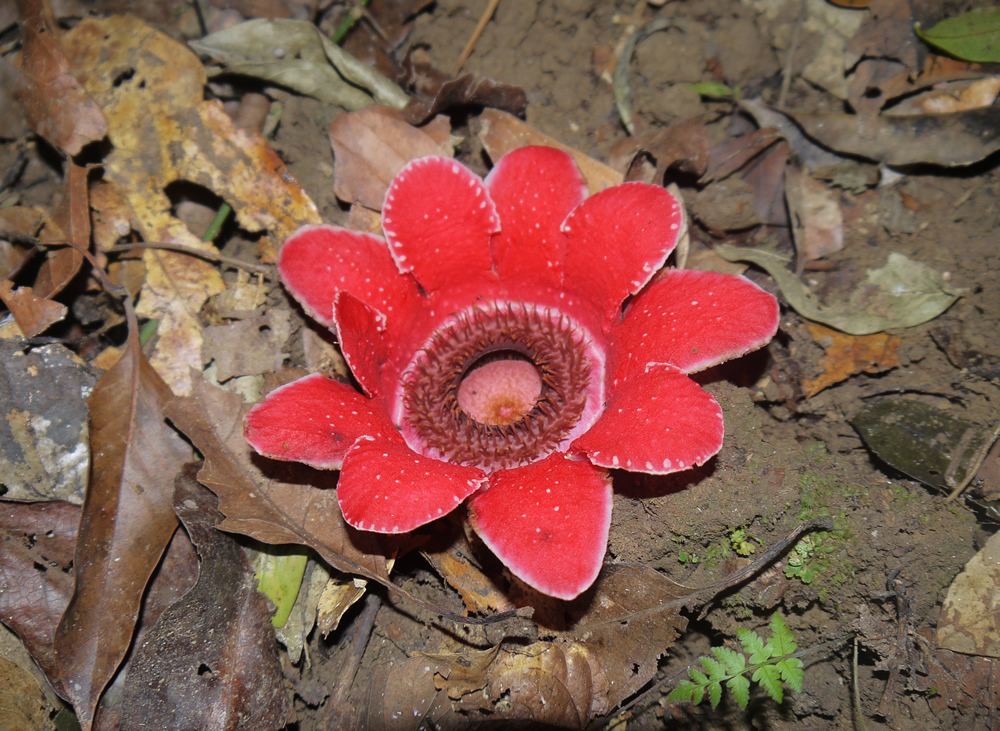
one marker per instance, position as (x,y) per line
(977,462)
(480,27)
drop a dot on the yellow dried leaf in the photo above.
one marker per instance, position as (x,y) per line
(847,355)
(150,88)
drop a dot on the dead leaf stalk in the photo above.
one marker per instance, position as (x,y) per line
(474,38)
(975,464)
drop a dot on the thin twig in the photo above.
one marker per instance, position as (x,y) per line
(857,693)
(357,643)
(480,27)
(786,75)
(238,263)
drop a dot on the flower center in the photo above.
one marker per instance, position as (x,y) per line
(501,391)
(500,386)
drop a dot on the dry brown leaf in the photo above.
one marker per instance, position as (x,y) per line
(22,703)
(56,106)
(273,502)
(33,314)
(817,223)
(847,355)
(338,596)
(19,221)
(682,146)
(968,621)
(73,217)
(466,90)
(31,600)
(128,520)
(478,592)
(502,132)
(211,661)
(112,218)
(373,144)
(558,684)
(248,347)
(151,89)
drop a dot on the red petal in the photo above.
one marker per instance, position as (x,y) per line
(361,341)
(657,421)
(618,238)
(315,420)
(388,488)
(548,522)
(317,262)
(692,320)
(534,189)
(438,218)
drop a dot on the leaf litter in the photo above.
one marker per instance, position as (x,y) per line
(583,662)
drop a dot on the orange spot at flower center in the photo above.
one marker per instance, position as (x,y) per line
(500,392)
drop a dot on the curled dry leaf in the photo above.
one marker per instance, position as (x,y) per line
(937,139)
(73,217)
(33,314)
(903,293)
(683,146)
(273,502)
(464,91)
(372,145)
(968,618)
(817,223)
(127,522)
(56,106)
(33,599)
(847,355)
(294,53)
(151,89)
(43,430)
(248,347)
(211,660)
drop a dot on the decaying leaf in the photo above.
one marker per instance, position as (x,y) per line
(466,90)
(22,703)
(279,573)
(56,106)
(73,216)
(968,621)
(807,153)
(817,223)
(922,441)
(273,502)
(901,294)
(211,661)
(248,347)
(33,600)
(294,53)
(43,427)
(972,36)
(294,633)
(128,520)
(371,145)
(682,146)
(938,139)
(33,314)
(151,89)
(847,355)
(502,132)
(954,97)
(479,594)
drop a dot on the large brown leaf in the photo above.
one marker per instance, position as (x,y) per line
(36,550)
(273,502)
(211,661)
(56,106)
(128,520)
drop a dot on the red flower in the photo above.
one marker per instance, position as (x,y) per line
(488,335)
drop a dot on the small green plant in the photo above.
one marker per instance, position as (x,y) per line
(771,664)
(685,557)
(799,564)
(743,542)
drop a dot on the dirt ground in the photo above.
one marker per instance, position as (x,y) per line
(896,546)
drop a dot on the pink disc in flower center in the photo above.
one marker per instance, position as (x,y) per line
(500,392)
